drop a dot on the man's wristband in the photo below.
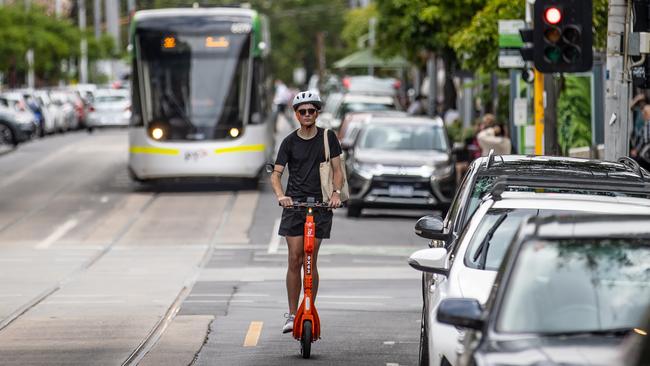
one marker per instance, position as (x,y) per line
(337,191)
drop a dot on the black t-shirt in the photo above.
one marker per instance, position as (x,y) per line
(304,158)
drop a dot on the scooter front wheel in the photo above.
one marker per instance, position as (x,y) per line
(305,340)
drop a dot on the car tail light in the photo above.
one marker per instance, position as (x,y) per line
(346,83)
(91,109)
(397,84)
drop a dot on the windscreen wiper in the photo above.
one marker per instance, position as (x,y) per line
(179,110)
(596,332)
(485,244)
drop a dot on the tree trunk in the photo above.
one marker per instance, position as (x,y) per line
(449,90)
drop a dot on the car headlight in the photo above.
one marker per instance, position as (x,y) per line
(365,170)
(442,171)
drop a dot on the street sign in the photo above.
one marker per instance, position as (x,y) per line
(509,44)
(520,111)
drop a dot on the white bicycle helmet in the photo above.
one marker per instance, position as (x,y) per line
(307,97)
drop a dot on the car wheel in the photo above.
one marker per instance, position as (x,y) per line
(423,358)
(354,210)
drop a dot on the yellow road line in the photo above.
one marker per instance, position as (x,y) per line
(243,148)
(153,150)
(253,334)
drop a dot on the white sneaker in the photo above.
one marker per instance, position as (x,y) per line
(288,325)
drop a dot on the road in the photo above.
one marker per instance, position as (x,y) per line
(98,270)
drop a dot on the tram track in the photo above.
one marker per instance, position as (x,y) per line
(156,333)
(22,310)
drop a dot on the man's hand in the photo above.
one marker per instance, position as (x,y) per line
(285,201)
(633,153)
(335,201)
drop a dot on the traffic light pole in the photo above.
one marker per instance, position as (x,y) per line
(538,107)
(551,145)
(617,99)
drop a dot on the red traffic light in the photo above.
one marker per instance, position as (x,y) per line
(552,15)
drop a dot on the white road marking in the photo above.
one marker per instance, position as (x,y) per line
(218,301)
(389,343)
(85,302)
(57,234)
(104,199)
(275,238)
(350,303)
(228,295)
(19,175)
(392,364)
(352,297)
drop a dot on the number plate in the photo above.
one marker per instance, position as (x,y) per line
(400,191)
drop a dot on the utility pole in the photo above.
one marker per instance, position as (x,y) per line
(97,17)
(551,145)
(320,54)
(57,9)
(617,99)
(371,44)
(29,56)
(113,21)
(432,72)
(83,61)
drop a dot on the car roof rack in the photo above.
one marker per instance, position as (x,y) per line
(623,187)
(632,164)
(491,158)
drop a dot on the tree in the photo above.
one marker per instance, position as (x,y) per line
(574,114)
(53,40)
(416,27)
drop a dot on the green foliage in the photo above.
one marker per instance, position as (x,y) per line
(574,114)
(477,45)
(53,40)
(357,25)
(411,26)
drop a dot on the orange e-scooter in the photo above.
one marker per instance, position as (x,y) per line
(306,325)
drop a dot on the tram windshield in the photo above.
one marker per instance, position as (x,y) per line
(195,85)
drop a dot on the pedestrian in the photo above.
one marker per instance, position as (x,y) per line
(640,141)
(303,150)
(493,138)
(282,96)
(418,107)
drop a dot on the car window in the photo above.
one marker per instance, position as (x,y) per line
(456,203)
(403,137)
(577,286)
(110,98)
(494,235)
(362,107)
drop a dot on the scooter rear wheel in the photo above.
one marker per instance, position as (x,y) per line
(305,340)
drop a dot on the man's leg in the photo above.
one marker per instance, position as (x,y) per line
(294,282)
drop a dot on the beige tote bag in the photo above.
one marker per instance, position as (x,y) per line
(327,175)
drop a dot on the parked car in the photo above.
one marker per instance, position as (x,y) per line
(53,114)
(11,133)
(467,268)
(15,103)
(110,107)
(338,105)
(62,100)
(569,290)
(371,85)
(400,162)
(353,121)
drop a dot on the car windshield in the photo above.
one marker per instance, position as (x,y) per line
(403,137)
(110,98)
(577,286)
(494,235)
(363,107)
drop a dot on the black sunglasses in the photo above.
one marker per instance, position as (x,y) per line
(305,111)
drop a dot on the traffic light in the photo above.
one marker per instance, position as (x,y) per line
(562,36)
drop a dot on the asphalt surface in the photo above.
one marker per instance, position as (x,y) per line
(98,270)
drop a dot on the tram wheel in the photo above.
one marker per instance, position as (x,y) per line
(305,340)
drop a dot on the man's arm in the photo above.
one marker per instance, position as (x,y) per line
(276,184)
(337,175)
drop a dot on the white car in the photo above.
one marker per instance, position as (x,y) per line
(468,268)
(62,100)
(52,114)
(110,108)
(338,105)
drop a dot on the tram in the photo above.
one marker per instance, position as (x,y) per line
(200,94)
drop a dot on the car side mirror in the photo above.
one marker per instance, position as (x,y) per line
(269,168)
(346,145)
(431,227)
(432,260)
(465,313)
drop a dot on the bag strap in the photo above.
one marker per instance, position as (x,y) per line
(327,146)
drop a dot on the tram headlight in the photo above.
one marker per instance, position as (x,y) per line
(157,133)
(234,132)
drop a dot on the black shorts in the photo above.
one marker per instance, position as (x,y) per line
(293,222)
